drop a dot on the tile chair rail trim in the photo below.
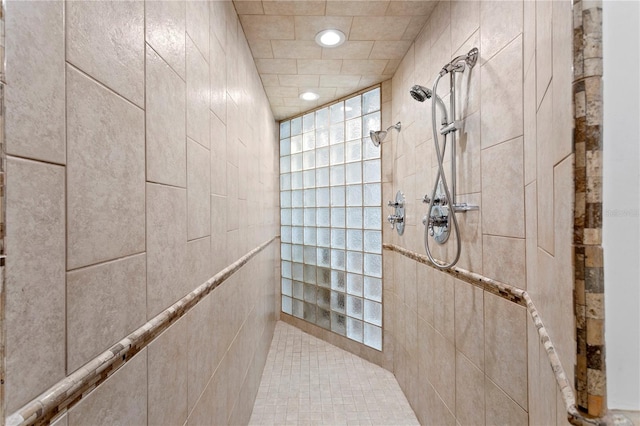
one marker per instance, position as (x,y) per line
(522,298)
(73,388)
(498,288)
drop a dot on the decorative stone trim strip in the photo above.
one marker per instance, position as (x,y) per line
(590,374)
(573,414)
(73,388)
(498,288)
(520,297)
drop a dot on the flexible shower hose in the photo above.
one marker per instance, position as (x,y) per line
(452,214)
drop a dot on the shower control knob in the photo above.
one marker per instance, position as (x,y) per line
(440,201)
(395,204)
(426,200)
(393,219)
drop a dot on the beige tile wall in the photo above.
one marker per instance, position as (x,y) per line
(142,160)
(121,399)
(35,285)
(477,359)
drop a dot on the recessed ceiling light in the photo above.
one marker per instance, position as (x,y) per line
(309,96)
(330,38)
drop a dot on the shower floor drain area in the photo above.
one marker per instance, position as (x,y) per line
(307,381)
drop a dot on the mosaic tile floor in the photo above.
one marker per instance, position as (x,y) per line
(307,381)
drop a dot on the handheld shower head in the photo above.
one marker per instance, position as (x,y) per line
(420,93)
(377,136)
(472,57)
(459,63)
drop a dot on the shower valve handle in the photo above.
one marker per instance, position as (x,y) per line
(393,219)
(395,204)
(429,224)
(436,201)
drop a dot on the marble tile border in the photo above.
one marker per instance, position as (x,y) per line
(590,374)
(522,298)
(78,385)
(498,288)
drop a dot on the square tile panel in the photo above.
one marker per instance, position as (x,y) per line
(282,33)
(308,381)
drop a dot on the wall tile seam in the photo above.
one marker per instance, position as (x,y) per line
(78,385)
(166,184)
(218,367)
(216,370)
(503,142)
(491,234)
(149,46)
(105,262)
(548,91)
(199,238)
(245,377)
(573,415)
(484,61)
(35,160)
(557,163)
(186,34)
(70,65)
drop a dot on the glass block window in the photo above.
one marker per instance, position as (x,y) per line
(331,218)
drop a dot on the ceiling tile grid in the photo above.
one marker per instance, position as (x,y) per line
(281,35)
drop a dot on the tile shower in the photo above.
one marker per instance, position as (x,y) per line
(152,139)
(331,218)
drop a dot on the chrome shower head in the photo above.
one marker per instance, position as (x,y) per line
(472,57)
(377,136)
(420,93)
(459,63)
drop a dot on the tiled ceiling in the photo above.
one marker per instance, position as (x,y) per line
(282,34)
